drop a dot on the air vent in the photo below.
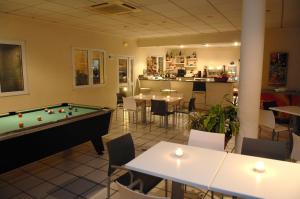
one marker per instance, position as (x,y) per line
(114,7)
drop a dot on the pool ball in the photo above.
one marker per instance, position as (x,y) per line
(62,110)
(21,124)
(70,113)
(70,107)
(76,110)
(66,116)
(39,118)
(20,115)
(46,110)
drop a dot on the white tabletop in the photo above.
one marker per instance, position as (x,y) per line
(197,167)
(168,99)
(293,110)
(236,177)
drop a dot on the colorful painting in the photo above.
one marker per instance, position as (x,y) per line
(278,69)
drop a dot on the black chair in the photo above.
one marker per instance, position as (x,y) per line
(121,151)
(160,108)
(191,107)
(119,102)
(265,148)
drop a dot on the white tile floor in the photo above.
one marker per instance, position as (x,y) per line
(81,173)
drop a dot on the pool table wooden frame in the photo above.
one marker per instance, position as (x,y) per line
(27,145)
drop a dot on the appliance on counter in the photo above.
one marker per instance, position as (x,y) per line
(181,73)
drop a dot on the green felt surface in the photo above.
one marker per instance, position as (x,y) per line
(11,123)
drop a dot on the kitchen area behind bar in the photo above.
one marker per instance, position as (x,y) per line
(208,73)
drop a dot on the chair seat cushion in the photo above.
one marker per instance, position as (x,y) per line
(280,128)
(149,181)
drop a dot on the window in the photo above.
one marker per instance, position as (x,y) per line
(88,67)
(12,68)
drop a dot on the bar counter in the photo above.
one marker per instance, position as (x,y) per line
(213,93)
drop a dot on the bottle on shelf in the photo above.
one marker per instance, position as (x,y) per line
(205,72)
(167,57)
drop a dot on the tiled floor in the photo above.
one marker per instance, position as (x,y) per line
(80,173)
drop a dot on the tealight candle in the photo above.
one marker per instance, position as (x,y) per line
(179,152)
(259,167)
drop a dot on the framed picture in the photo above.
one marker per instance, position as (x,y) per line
(278,69)
(13,79)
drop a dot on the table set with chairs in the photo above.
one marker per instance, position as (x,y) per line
(260,171)
(155,104)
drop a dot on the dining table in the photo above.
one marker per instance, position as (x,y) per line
(227,173)
(142,100)
(237,177)
(196,167)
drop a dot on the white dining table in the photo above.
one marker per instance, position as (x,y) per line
(292,110)
(237,177)
(142,99)
(197,167)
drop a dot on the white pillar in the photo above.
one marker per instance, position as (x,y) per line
(252,49)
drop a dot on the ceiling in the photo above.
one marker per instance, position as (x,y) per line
(157,18)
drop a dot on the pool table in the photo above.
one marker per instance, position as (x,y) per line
(44,134)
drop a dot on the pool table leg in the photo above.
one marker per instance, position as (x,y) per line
(98,144)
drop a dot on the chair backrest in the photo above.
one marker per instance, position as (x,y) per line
(129,103)
(296,147)
(126,193)
(207,140)
(267,104)
(120,98)
(264,148)
(267,119)
(199,86)
(159,107)
(120,151)
(192,105)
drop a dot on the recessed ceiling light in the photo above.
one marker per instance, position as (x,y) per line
(181,46)
(206,45)
(236,43)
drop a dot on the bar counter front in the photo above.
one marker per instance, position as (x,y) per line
(211,93)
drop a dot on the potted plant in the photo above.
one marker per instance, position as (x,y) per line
(218,119)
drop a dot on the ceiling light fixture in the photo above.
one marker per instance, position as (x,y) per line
(125,44)
(206,45)
(236,43)
(181,46)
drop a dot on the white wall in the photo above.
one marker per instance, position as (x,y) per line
(49,63)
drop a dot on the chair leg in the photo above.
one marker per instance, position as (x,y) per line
(273,134)
(123,116)
(166,188)
(136,119)
(117,113)
(108,187)
(150,122)
(212,195)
